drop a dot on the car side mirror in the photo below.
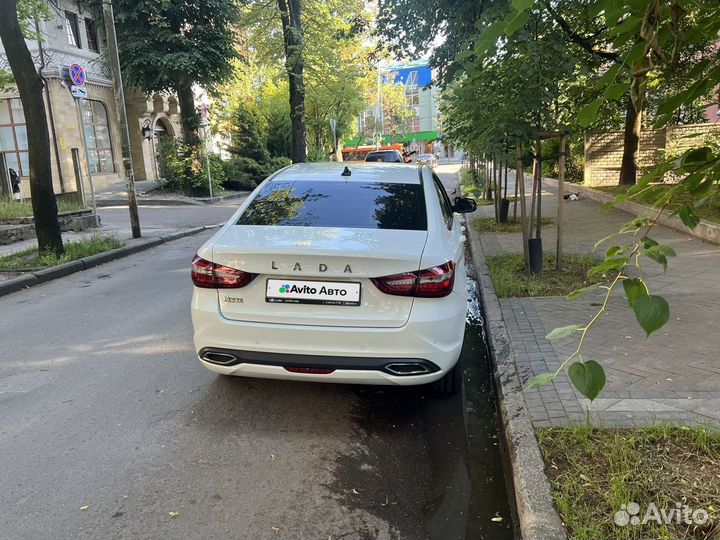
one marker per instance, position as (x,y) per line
(464,205)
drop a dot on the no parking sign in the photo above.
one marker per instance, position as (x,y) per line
(77,75)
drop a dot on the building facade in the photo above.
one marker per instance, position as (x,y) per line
(421,130)
(85,134)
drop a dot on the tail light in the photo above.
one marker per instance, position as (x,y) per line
(209,275)
(432,282)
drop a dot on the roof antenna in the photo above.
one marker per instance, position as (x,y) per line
(346,172)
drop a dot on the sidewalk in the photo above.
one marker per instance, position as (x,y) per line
(672,376)
(155,221)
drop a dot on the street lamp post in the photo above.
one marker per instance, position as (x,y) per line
(114,60)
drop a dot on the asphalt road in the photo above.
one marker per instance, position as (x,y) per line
(110,428)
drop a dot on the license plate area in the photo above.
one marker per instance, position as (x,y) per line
(327,293)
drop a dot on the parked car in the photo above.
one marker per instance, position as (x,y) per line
(427,159)
(336,273)
(385,156)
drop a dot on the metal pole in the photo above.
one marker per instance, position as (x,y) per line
(207,158)
(114,61)
(520,177)
(561,202)
(80,104)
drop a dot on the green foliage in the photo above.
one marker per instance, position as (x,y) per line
(337,71)
(562,332)
(511,281)
(184,168)
(167,43)
(246,139)
(10,208)
(595,471)
(588,377)
(31,259)
(242,173)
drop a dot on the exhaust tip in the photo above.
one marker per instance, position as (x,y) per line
(407,368)
(223,359)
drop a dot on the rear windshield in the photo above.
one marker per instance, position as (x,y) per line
(389,157)
(359,205)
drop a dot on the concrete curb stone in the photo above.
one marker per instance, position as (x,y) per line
(537,515)
(17,284)
(62,270)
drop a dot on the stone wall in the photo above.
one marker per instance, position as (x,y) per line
(603,151)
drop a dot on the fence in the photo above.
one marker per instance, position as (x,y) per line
(603,151)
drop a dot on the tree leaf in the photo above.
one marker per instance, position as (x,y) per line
(562,332)
(613,250)
(589,114)
(522,5)
(608,265)
(517,23)
(659,254)
(538,380)
(652,312)
(616,91)
(574,295)
(588,377)
(634,288)
(688,216)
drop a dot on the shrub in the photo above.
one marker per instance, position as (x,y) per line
(242,173)
(184,168)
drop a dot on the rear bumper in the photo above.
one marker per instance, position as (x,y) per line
(432,336)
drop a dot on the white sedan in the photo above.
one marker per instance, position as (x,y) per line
(345,274)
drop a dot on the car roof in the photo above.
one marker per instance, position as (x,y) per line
(396,173)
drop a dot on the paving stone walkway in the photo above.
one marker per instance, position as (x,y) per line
(672,376)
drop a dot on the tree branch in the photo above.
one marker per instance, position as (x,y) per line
(584,42)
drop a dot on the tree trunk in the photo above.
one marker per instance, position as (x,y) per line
(290,11)
(30,88)
(190,120)
(631,145)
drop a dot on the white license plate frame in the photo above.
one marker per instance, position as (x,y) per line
(313,292)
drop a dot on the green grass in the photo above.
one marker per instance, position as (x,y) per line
(510,281)
(710,210)
(485,225)
(15,209)
(594,471)
(29,259)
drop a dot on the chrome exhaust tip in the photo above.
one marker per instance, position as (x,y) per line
(407,368)
(222,359)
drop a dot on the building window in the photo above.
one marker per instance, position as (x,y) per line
(91,34)
(13,136)
(72,28)
(97,137)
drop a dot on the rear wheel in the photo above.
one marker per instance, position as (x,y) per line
(452,381)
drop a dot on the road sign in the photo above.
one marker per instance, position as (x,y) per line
(77,75)
(79,92)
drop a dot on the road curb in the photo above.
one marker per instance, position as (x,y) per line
(197,201)
(705,230)
(538,518)
(62,270)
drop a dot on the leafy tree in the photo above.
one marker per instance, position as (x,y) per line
(13,17)
(336,63)
(170,45)
(246,139)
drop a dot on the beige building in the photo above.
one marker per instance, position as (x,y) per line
(84,133)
